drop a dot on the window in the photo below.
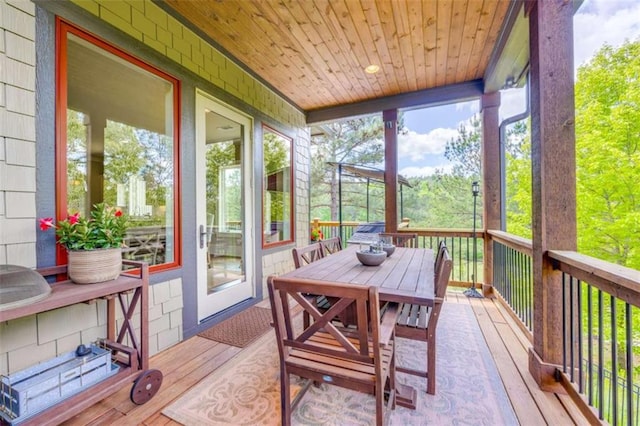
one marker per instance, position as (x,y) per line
(117,143)
(277,204)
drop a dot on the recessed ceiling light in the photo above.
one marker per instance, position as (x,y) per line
(372,69)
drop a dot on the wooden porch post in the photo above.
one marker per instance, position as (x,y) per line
(390,119)
(554,174)
(491,182)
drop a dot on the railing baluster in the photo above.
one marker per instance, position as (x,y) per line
(600,356)
(571,330)
(521,299)
(580,343)
(629,361)
(509,281)
(472,259)
(590,344)
(564,323)
(614,361)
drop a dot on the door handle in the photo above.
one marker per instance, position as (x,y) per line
(203,233)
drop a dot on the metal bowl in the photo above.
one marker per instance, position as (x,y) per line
(389,249)
(371,258)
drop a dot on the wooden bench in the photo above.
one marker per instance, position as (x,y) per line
(419,322)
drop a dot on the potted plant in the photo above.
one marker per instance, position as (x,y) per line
(316,234)
(94,245)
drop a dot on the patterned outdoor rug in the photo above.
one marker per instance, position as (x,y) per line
(241,329)
(246,391)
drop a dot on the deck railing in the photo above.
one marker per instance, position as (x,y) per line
(458,241)
(513,274)
(601,304)
(600,343)
(331,228)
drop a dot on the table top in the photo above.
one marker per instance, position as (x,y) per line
(404,277)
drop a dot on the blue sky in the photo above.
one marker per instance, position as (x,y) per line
(420,152)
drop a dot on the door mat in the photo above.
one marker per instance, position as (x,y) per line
(241,329)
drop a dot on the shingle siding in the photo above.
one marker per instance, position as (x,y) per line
(26,341)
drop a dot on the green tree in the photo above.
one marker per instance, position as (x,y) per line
(277,155)
(608,167)
(123,158)
(447,194)
(76,162)
(608,155)
(518,180)
(356,141)
(218,156)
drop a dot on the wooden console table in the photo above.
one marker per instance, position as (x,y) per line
(133,359)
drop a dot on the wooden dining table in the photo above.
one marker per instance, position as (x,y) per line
(407,276)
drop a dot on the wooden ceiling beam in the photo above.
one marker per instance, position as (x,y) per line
(420,98)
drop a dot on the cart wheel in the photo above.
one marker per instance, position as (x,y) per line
(146,386)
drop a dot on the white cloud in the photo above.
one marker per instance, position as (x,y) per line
(424,171)
(597,22)
(604,21)
(471,106)
(416,146)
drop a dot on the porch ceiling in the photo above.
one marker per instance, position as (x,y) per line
(315,52)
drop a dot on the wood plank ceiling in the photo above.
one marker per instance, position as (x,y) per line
(315,52)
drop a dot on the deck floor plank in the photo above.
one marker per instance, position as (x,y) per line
(182,379)
(518,346)
(525,407)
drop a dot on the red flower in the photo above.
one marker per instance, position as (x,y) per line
(46,223)
(74,218)
(316,234)
(106,228)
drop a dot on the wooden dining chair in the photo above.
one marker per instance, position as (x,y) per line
(419,322)
(361,358)
(402,239)
(304,256)
(307,254)
(331,245)
(442,246)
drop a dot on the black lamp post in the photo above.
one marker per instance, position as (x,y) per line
(471,291)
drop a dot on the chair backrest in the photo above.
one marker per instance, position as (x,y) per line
(402,239)
(307,254)
(331,245)
(442,247)
(443,273)
(359,343)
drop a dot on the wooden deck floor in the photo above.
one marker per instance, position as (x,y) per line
(187,363)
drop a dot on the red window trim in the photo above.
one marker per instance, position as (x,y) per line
(292,227)
(63,28)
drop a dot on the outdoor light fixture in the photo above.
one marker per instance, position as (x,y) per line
(471,291)
(510,83)
(372,69)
